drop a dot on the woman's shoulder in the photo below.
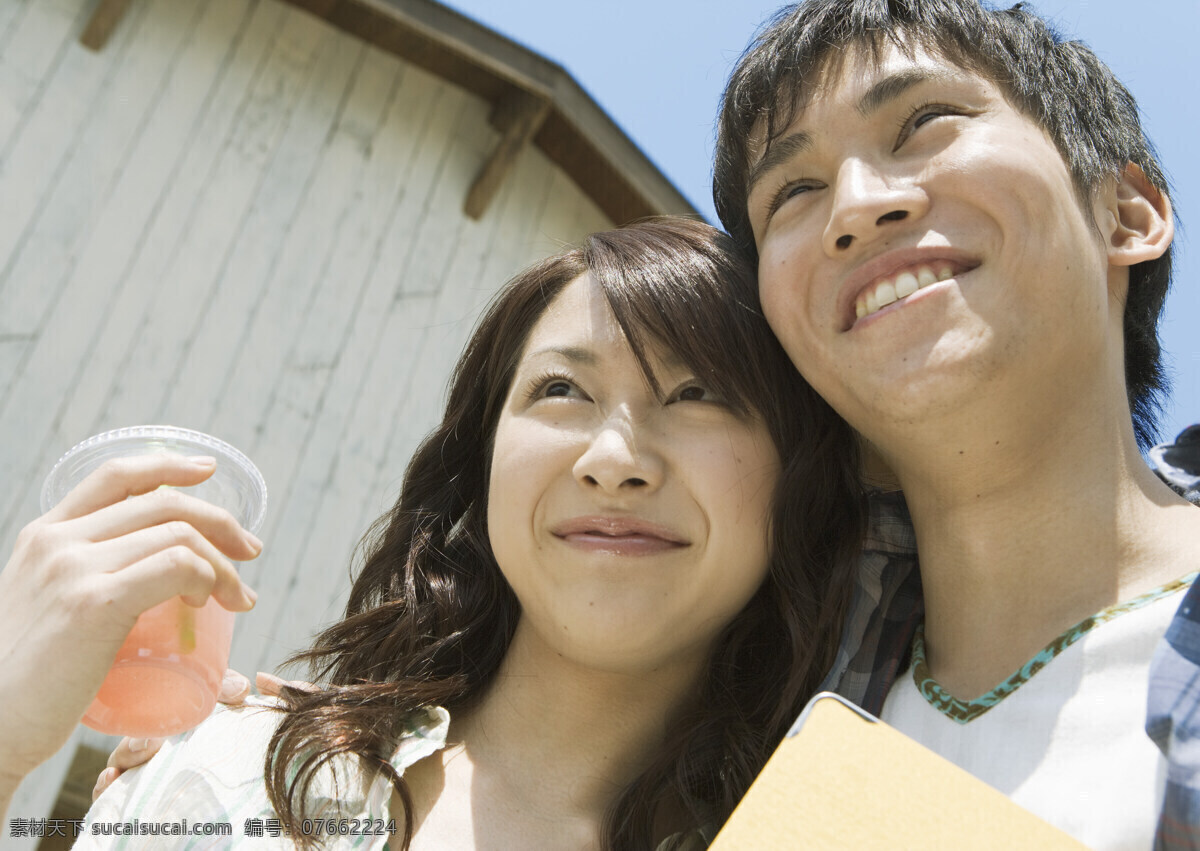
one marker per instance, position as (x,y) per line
(229,746)
(214,773)
(249,725)
(227,750)
(211,775)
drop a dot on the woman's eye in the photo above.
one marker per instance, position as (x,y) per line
(554,387)
(693,393)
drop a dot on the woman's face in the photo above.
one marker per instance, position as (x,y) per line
(632,529)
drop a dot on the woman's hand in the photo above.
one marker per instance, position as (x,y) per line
(130,753)
(79,577)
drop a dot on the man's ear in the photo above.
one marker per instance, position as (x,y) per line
(1142,224)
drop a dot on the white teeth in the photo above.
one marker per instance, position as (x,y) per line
(904,285)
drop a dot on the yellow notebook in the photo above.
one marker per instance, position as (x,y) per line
(846,780)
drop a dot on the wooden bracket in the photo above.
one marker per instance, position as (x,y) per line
(104,20)
(518,117)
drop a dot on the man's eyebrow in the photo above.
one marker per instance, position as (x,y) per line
(883,92)
(777,154)
(895,85)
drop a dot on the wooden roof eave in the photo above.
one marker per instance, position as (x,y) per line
(534,100)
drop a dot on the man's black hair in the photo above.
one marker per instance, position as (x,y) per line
(1061,85)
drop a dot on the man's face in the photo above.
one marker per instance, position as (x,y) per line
(920,240)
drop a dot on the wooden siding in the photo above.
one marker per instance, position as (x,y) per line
(239,219)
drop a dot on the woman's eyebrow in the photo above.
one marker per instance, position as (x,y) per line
(577,354)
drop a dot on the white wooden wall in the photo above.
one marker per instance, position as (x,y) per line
(238,219)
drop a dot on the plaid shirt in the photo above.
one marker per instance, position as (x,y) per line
(885,610)
(887,607)
(1173,710)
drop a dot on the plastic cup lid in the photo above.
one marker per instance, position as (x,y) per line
(237,485)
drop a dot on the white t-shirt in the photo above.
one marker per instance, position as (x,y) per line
(1064,737)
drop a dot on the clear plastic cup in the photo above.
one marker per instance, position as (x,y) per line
(167,673)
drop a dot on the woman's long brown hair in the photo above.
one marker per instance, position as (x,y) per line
(430,616)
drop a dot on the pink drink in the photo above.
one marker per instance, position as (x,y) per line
(167,673)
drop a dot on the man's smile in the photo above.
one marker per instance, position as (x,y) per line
(896,275)
(899,286)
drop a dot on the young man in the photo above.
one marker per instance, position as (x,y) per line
(964,244)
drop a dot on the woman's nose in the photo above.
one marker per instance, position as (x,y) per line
(619,457)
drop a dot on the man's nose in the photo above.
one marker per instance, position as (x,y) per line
(867,201)
(618,457)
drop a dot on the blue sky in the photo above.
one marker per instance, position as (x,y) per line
(658,66)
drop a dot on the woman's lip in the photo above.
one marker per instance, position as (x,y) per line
(631,535)
(625,545)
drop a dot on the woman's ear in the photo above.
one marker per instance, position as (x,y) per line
(1142,224)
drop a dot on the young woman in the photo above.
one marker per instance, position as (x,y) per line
(615,573)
